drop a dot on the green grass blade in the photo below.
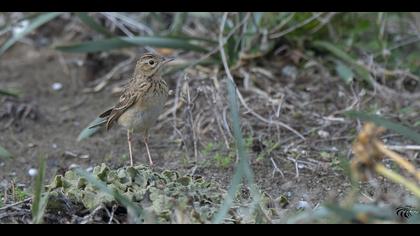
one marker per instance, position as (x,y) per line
(243,169)
(228,201)
(344,72)
(398,128)
(342,55)
(4,154)
(178,22)
(39,201)
(134,210)
(169,42)
(91,22)
(35,23)
(123,42)
(8,93)
(96,46)
(194,39)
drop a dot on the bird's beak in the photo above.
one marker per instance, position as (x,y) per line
(168,59)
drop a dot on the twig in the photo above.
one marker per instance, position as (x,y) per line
(229,75)
(15,204)
(63,63)
(398,73)
(283,23)
(402,44)
(12,214)
(13,190)
(296,166)
(89,217)
(121,26)
(77,104)
(225,123)
(111,214)
(182,139)
(129,21)
(350,137)
(301,24)
(323,21)
(397,179)
(398,159)
(276,168)
(220,46)
(175,107)
(191,119)
(104,80)
(219,119)
(5,194)
(406,147)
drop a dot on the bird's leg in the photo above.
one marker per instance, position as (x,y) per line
(129,146)
(146,140)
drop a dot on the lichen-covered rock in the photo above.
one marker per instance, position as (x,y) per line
(169,197)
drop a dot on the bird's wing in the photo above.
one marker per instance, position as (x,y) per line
(127,99)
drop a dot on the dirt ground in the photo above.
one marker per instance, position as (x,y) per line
(309,103)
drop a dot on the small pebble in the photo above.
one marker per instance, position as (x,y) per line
(4,183)
(33,172)
(89,169)
(386,52)
(54,146)
(20,27)
(31,145)
(79,62)
(289,71)
(303,205)
(57,86)
(323,134)
(70,154)
(84,156)
(72,166)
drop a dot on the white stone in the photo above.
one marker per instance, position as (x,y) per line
(32,172)
(323,134)
(73,166)
(57,86)
(303,205)
(20,27)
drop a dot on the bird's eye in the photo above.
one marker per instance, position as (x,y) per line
(151,62)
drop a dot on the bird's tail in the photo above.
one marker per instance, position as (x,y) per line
(99,124)
(94,126)
(100,120)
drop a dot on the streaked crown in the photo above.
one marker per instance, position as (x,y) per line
(149,65)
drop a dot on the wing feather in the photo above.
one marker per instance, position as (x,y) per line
(126,101)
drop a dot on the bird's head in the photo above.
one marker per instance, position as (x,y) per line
(149,64)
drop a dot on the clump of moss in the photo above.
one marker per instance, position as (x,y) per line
(168,196)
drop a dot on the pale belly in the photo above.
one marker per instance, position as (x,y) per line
(141,118)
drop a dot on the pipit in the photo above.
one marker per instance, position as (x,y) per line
(141,102)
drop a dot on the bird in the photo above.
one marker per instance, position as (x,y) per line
(141,102)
